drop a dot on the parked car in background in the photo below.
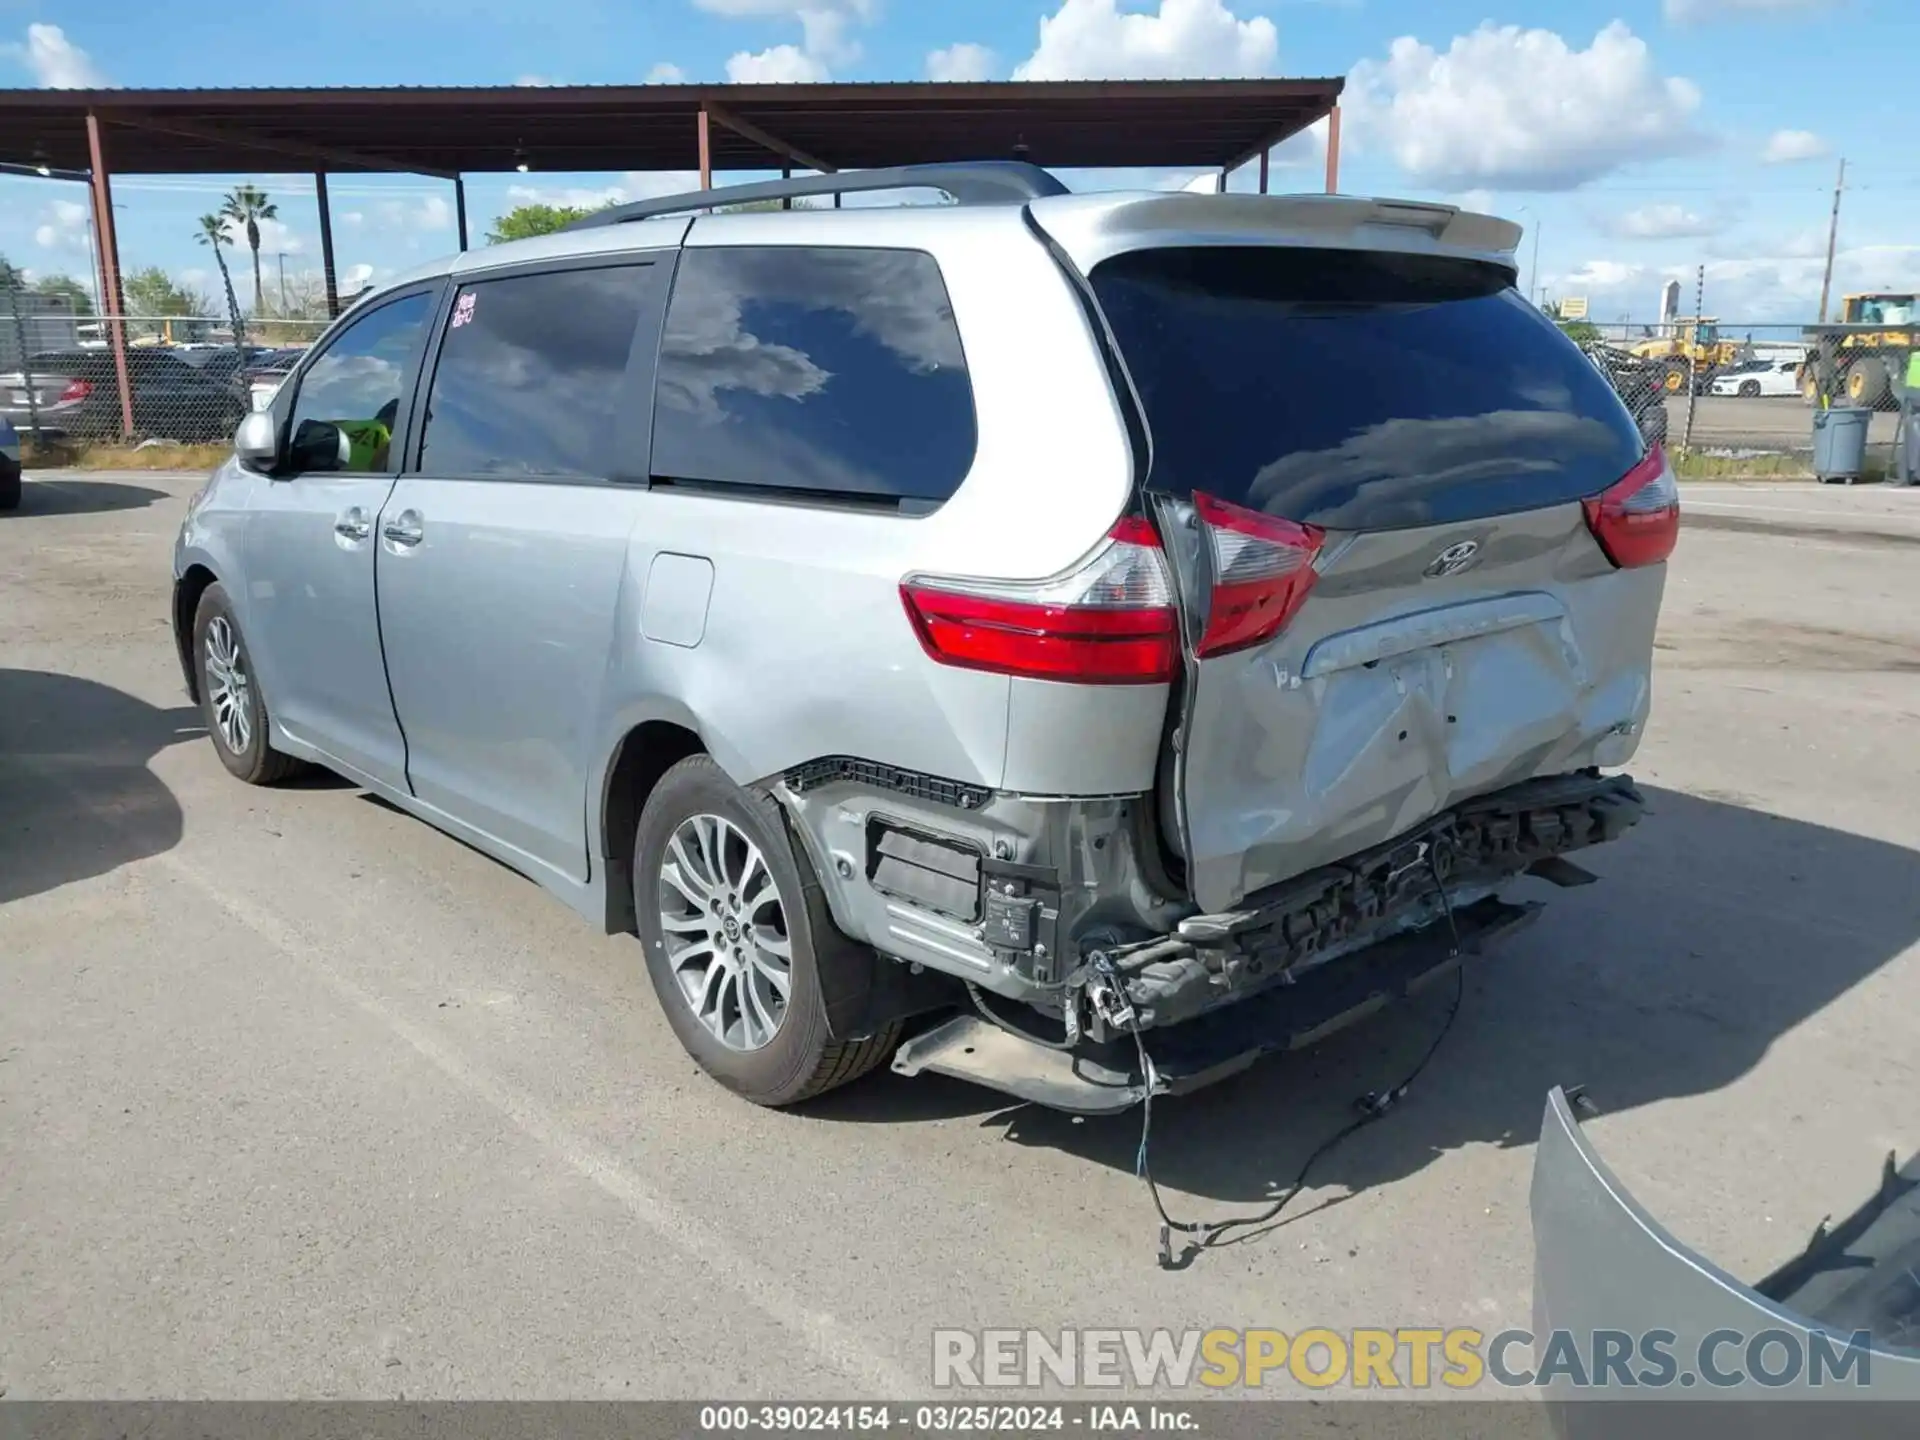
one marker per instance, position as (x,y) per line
(1760,377)
(1640,384)
(1144,631)
(265,375)
(227,365)
(10,478)
(76,396)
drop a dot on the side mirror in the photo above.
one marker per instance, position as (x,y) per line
(256,442)
(319,445)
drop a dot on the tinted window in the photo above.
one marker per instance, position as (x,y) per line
(813,369)
(532,373)
(1358,390)
(356,384)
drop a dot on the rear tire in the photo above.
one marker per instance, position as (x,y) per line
(1749,388)
(230,698)
(719,892)
(11,486)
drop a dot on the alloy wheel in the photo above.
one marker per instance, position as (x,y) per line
(229,688)
(725,928)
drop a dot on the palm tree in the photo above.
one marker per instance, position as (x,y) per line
(213,231)
(247,206)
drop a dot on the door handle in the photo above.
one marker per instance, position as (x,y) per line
(353,525)
(404,529)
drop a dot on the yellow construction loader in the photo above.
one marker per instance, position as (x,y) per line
(1870,366)
(1691,351)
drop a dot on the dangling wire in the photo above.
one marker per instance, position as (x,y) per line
(1373,1105)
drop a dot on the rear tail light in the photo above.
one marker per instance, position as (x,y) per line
(1637,518)
(1262,571)
(76,391)
(1108,621)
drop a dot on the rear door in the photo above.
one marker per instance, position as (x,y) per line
(502,552)
(1370,471)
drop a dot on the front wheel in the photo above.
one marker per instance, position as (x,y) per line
(1750,388)
(230,699)
(728,914)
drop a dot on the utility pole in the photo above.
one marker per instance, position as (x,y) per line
(283,284)
(1833,234)
(1691,372)
(1533,281)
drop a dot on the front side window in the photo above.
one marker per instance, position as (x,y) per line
(532,372)
(355,388)
(833,370)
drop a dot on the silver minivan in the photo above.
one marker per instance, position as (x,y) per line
(1079,643)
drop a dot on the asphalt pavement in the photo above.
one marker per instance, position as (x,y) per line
(300,1098)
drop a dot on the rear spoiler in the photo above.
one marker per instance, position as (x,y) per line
(1092,228)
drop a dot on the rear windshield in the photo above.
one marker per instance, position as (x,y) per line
(1358,390)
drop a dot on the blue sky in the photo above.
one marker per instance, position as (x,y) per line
(1639,137)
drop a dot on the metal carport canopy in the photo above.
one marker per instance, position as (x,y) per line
(446,131)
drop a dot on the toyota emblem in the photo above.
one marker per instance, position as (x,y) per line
(1453,559)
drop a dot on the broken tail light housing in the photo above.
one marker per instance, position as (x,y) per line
(1262,571)
(1637,518)
(1110,620)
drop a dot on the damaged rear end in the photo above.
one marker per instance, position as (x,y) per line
(1385,595)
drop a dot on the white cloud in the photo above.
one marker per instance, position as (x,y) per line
(1772,283)
(825,38)
(1684,12)
(355,218)
(1521,109)
(1095,40)
(1785,146)
(780,65)
(353,277)
(56,62)
(634,185)
(1661,222)
(536,80)
(276,238)
(429,213)
(666,73)
(63,228)
(961,62)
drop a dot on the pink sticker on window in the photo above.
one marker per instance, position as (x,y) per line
(463,309)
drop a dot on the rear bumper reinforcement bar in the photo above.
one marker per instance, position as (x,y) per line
(1104,1078)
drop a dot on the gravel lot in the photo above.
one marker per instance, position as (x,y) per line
(301,1098)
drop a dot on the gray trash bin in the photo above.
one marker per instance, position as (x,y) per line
(1840,442)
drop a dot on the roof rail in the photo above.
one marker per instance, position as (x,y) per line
(978,182)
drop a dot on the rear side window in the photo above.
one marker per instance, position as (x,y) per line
(532,372)
(814,370)
(1358,390)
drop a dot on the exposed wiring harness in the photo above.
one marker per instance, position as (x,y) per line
(992,1017)
(1204,1234)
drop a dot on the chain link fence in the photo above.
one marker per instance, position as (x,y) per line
(1738,399)
(188,379)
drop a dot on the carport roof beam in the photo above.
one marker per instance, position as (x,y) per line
(446,130)
(273,145)
(747,130)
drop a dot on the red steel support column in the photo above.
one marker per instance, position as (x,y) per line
(706,152)
(1333,151)
(1263,172)
(326,244)
(460,209)
(112,301)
